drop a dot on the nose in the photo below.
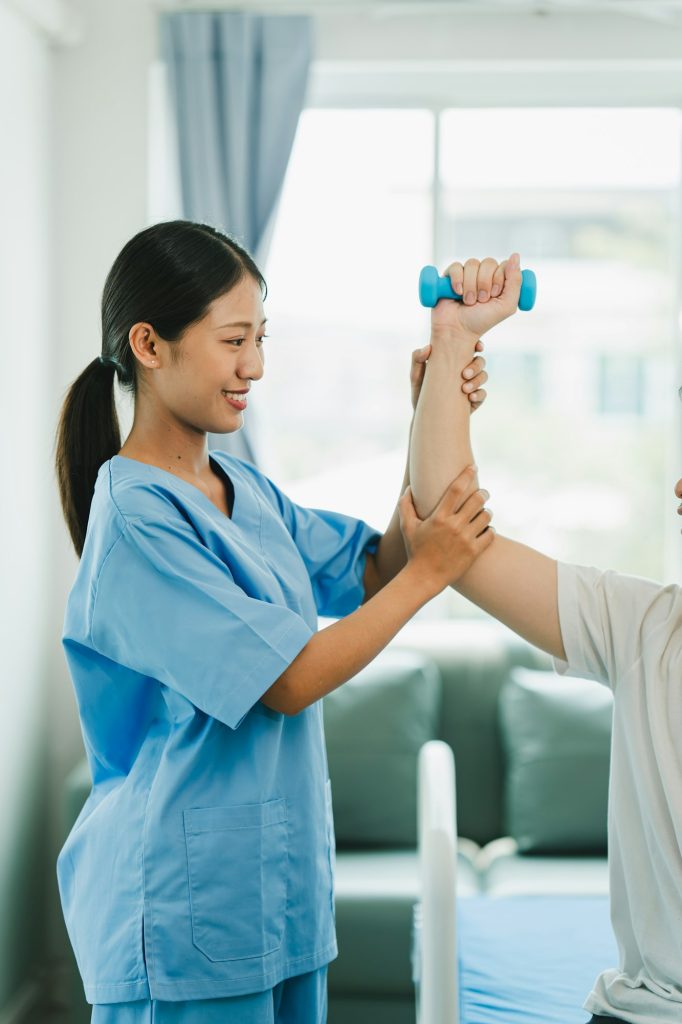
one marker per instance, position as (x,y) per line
(678,489)
(250,365)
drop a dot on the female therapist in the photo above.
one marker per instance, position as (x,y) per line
(197,881)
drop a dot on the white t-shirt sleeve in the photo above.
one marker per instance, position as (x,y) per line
(607,617)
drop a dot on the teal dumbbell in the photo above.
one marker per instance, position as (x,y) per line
(432,288)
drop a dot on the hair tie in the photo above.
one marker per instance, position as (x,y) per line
(109,361)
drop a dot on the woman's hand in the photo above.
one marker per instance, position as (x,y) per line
(490,292)
(445,545)
(474,376)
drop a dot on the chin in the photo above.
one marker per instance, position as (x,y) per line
(223,428)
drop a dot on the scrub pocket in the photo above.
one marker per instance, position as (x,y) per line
(237,860)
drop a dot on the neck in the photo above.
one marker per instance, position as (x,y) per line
(162,441)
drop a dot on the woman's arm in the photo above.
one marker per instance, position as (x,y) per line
(441,548)
(512,582)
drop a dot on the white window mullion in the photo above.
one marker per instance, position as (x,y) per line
(673,550)
(436,230)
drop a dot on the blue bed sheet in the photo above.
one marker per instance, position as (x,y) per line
(531,959)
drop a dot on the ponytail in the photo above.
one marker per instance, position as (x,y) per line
(88,434)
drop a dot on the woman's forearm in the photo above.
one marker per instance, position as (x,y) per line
(340,651)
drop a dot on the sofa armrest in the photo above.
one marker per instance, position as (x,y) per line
(435,947)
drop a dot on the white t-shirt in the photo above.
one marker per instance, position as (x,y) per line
(627,632)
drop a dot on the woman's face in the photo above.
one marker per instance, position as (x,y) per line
(205,386)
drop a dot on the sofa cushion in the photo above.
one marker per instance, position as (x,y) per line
(474,660)
(375,725)
(556,733)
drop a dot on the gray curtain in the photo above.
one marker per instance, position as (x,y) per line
(238,84)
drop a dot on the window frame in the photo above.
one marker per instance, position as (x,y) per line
(439,85)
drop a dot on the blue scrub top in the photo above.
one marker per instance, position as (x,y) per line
(201,865)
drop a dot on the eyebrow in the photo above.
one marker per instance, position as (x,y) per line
(240,323)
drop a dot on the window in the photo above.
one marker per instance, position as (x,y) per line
(621,385)
(368,200)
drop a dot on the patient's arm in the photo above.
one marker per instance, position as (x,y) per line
(514,583)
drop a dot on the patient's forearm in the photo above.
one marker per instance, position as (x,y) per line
(441,445)
(512,582)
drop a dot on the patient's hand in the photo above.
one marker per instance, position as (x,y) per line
(474,376)
(490,292)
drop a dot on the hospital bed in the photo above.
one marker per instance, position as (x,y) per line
(495,960)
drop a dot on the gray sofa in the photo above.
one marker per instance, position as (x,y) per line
(529,819)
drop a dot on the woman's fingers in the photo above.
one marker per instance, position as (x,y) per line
(473,503)
(477,398)
(475,377)
(475,383)
(419,359)
(474,513)
(457,492)
(407,512)
(476,366)
(482,521)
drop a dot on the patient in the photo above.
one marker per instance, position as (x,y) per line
(624,631)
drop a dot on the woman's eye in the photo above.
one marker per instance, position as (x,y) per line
(239,341)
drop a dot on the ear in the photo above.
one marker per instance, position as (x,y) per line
(144,343)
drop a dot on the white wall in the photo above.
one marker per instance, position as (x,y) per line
(27,345)
(99,176)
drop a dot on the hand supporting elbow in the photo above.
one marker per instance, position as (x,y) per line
(446,544)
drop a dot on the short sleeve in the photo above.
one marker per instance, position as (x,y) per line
(333,546)
(606,618)
(167,607)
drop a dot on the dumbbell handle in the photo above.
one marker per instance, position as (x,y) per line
(432,288)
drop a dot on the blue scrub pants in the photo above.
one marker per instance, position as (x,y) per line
(300,1000)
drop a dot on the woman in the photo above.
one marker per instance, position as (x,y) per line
(197,881)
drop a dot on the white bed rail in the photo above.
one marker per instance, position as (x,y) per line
(435,945)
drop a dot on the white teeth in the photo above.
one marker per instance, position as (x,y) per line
(236,395)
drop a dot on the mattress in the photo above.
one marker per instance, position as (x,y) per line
(531,959)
